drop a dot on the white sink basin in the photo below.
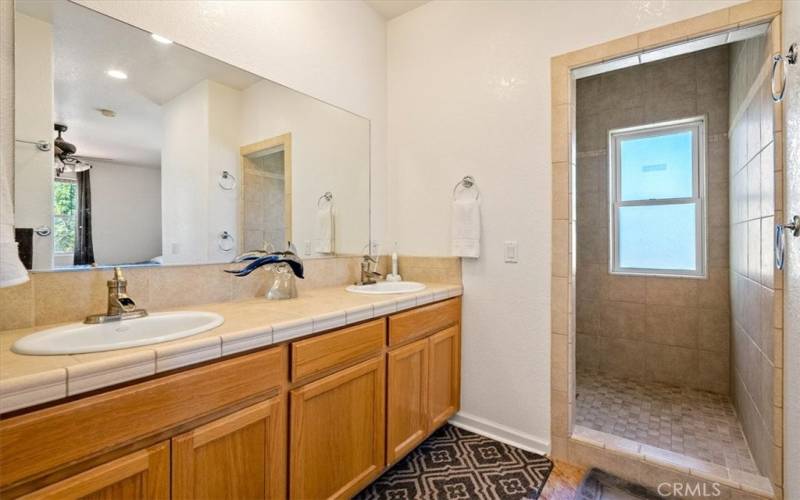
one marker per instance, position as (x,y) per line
(79,338)
(386,287)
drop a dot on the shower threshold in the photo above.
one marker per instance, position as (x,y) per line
(702,470)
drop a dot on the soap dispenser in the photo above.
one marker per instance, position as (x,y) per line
(394,275)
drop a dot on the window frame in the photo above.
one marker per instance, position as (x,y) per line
(697,125)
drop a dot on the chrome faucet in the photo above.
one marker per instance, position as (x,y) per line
(120,306)
(368,275)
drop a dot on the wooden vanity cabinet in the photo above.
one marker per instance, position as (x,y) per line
(241,455)
(141,474)
(407,398)
(444,375)
(337,433)
(318,417)
(423,384)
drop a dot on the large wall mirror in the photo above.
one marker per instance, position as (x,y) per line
(133,150)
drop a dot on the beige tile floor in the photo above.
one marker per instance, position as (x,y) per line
(698,424)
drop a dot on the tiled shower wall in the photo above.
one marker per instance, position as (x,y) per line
(755,285)
(263,185)
(672,330)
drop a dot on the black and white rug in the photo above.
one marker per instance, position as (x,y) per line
(457,464)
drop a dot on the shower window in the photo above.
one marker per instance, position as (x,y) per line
(657,193)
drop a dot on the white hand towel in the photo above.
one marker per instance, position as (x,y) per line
(466,230)
(12,272)
(325,241)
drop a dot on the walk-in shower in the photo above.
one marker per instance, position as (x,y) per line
(676,189)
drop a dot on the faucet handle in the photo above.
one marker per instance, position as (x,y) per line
(118,280)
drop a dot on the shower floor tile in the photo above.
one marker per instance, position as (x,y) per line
(697,424)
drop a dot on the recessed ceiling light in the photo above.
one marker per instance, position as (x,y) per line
(115,73)
(160,39)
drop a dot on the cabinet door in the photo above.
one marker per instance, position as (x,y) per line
(238,456)
(141,474)
(337,432)
(444,392)
(407,403)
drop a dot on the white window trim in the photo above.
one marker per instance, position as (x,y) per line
(699,194)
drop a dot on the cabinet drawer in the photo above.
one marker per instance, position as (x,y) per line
(424,321)
(45,440)
(337,349)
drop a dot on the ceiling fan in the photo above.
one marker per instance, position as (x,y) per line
(64,153)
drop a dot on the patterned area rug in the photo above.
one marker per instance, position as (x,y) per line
(458,464)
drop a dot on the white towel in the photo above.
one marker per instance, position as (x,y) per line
(325,240)
(466,230)
(12,272)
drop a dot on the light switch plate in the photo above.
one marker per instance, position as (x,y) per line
(511,252)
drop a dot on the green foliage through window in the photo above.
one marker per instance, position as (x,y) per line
(65,207)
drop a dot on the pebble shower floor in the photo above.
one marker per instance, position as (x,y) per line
(697,424)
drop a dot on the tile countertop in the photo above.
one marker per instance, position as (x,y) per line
(30,380)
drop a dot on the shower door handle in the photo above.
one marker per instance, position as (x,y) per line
(780,239)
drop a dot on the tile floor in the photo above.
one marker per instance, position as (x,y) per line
(563,482)
(698,424)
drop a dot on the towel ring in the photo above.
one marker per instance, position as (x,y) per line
(40,145)
(227,181)
(789,58)
(328,196)
(226,241)
(468,182)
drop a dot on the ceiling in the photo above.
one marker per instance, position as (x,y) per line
(390,9)
(86,45)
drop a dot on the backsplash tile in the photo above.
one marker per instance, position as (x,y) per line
(16,307)
(57,297)
(69,296)
(189,285)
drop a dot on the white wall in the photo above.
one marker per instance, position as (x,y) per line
(7,119)
(33,182)
(330,152)
(185,177)
(791,321)
(469,93)
(201,139)
(126,212)
(224,111)
(332,50)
